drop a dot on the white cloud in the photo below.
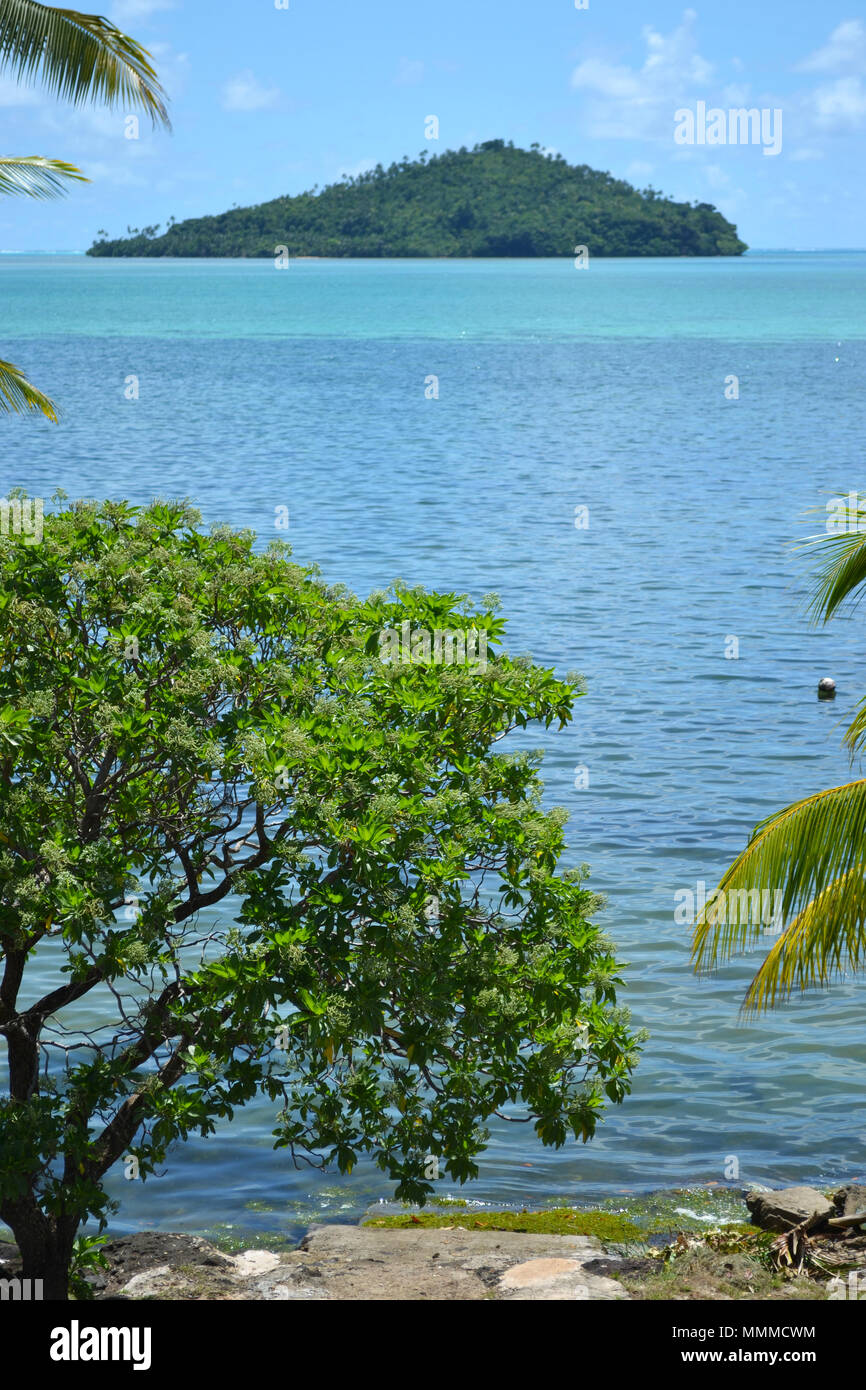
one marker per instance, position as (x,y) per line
(11,94)
(95,124)
(125,12)
(727,197)
(409,72)
(638,103)
(845,49)
(736,94)
(716,176)
(172,68)
(597,76)
(120,175)
(246,93)
(639,169)
(839,105)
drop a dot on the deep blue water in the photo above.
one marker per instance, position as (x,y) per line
(558,388)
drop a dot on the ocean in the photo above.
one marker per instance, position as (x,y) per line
(627,454)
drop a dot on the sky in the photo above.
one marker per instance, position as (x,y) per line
(267,100)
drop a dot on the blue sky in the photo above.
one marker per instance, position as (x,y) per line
(267,101)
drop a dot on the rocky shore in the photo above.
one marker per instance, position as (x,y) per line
(793,1243)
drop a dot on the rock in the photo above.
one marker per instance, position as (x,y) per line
(850,1199)
(784,1209)
(530,1272)
(149,1284)
(163,1265)
(358,1263)
(556,1278)
(451,1263)
(255,1262)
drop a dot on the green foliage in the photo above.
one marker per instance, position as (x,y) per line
(78,57)
(18,394)
(279,864)
(493,200)
(87,1258)
(812,852)
(36,177)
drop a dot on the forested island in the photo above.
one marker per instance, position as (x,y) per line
(492,200)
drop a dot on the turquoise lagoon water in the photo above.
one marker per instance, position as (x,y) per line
(558,388)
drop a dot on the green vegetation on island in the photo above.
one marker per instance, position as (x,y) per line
(492,200)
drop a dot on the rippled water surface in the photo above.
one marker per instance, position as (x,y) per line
(558,389)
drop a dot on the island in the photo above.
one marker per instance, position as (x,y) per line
(492,200)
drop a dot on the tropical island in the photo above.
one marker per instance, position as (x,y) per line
(492,200)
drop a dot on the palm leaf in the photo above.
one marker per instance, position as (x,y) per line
(16,393)
(855,734)
(826,939)
(812,854)
(78,57)
(841,574)
(843,567)
(35,176)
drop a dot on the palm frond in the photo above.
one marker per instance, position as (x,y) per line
(841,575)
(794,856)
(18,395)
(825,940)
(809,860)
(78,57)
(35,176)
(843,569)
(855,734)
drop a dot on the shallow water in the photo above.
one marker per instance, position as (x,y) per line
(558,389)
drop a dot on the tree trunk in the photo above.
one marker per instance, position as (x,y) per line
(45,1243)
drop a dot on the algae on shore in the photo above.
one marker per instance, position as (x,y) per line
(560,1221)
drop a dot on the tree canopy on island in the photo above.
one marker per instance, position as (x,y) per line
(492,200)
(241,853)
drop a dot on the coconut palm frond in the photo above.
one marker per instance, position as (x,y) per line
(78,57)
(792,858)
(841,575)
(825,940)
(18,395)
(35,176)
(855,734)
(843,567)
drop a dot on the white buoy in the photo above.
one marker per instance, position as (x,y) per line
(826,687)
